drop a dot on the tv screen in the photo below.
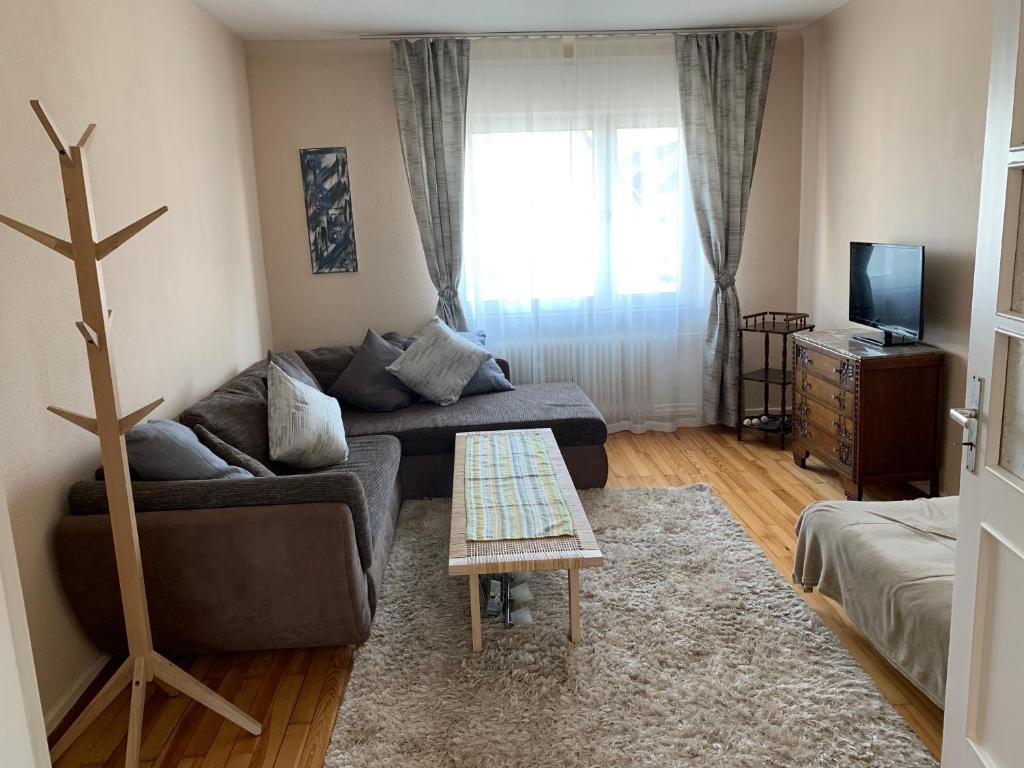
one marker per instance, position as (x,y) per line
(886,283)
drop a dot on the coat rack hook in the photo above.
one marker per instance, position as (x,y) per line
(48,126)
(63,247)
(87,333)
(86,134)
(127,422)
(119,238)
(87,423)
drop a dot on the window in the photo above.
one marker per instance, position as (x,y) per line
(581,258)
(548,220)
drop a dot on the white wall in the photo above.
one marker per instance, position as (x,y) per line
(22,733)
(166,85)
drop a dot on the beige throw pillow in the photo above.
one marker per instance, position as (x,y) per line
(304,425)
(439,364)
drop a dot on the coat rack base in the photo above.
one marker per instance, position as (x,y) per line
(137,672)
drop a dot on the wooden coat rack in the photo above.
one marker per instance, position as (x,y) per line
(143,663)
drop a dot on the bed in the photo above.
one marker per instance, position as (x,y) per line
(890,565)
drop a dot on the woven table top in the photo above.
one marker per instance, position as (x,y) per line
(579,550)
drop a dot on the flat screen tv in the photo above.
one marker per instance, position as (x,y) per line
(886,291)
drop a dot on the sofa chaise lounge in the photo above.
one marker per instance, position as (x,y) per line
(292,559)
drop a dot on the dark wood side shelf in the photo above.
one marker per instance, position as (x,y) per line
(870,413)
(770,324)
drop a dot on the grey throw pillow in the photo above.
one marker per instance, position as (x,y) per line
(168,450)
(489,376)
(439,363)
(303,423)
(292,364)
(367,384)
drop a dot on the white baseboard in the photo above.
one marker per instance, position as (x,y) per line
(59,711)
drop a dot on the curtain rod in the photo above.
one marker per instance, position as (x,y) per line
(551,33)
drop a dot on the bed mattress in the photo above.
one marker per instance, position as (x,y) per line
(890,565)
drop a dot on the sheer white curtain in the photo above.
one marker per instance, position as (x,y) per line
(582,260)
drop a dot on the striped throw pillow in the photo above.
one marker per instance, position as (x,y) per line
(304,425)
(439,363)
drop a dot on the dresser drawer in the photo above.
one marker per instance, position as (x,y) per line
(824,417)
(826,392)
(823,442)
(838,370)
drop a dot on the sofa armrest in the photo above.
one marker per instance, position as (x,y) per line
(505,368)
(90,498)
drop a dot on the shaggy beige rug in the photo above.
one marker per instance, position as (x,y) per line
(695,652)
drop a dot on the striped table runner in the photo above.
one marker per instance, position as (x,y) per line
(512,490)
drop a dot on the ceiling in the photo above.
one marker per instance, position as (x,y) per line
(319,19)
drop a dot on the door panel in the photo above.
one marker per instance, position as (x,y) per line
(1017,294)
(1011,449)
(996,661)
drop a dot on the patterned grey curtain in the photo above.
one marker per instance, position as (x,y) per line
(723,82)
(430,79)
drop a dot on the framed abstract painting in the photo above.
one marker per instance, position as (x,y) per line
(332,234)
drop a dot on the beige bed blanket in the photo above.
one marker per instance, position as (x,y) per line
(890,565)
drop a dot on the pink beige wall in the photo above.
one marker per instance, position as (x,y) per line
(894,121)
(325,94)
(338,93)
(767,276)
(167,87)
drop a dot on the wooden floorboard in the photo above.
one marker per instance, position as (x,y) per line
(296,694)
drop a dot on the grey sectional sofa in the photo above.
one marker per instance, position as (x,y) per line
(290,559)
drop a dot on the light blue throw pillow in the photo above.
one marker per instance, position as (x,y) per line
(489,376)
(167,450)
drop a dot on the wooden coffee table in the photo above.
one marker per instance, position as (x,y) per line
(555,553)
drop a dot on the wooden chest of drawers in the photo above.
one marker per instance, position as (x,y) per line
(870,413)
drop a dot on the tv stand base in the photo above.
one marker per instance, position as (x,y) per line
(888,339)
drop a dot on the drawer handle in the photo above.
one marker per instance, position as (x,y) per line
(840,400)
(845,454)
(840,426)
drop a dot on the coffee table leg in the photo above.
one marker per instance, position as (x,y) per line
(574,605)
(474,611)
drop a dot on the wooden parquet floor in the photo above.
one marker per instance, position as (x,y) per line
(296,693)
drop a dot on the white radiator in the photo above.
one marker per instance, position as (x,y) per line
(614,372)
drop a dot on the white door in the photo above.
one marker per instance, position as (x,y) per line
(22,736)
(984,720)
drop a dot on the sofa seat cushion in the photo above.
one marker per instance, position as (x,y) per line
(374,459)
(424,428)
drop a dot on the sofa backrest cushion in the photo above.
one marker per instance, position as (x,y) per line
(237,413)
(166,450)
(293,365)
(327,363)
(229,453)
